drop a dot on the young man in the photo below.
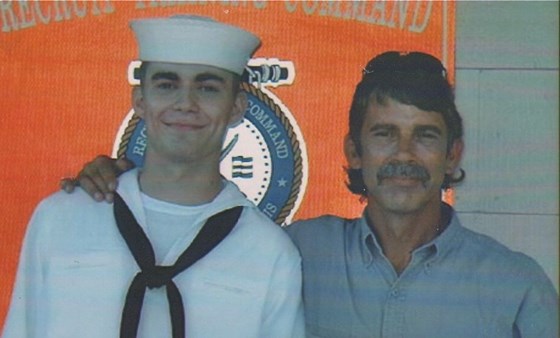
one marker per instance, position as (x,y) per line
(91,270)
(407,268)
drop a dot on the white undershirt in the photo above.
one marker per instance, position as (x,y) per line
(166,222)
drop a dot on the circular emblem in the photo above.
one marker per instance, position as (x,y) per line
(264,155)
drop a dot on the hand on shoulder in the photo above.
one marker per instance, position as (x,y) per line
(98,178)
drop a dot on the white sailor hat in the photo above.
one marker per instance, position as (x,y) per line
(194,39)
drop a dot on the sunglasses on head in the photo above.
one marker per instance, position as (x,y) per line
(398,62)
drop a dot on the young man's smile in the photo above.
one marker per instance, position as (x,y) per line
(188,108)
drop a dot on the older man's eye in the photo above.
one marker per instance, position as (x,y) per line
(165,85)
(383,133)
(429,135)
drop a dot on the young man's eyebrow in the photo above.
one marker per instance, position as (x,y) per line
(209,77)
(165,76)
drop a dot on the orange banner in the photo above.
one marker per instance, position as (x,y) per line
(65,93)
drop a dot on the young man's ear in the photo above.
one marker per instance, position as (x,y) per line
(454,156)
(238,110)
(138,101)
(352,154)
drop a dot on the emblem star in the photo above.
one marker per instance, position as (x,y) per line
(282,182)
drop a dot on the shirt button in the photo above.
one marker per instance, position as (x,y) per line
(395,293)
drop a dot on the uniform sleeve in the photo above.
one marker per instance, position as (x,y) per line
(283,315)
(538,314)
(24,314)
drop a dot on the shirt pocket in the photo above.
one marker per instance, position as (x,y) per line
(238,300)
(88,270)
(87,287)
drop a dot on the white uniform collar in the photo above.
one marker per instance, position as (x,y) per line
(129,189)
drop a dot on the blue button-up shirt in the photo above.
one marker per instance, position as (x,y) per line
(461,284)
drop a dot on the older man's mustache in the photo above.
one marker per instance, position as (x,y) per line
(403,170)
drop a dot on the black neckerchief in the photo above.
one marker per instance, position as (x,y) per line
(151,275)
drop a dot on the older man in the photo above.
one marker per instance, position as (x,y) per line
(407,267)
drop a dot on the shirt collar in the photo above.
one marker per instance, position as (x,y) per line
(449,238)
(230,196)
(443,243)
(369,246)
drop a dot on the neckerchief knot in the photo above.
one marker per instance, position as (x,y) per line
(157,276)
